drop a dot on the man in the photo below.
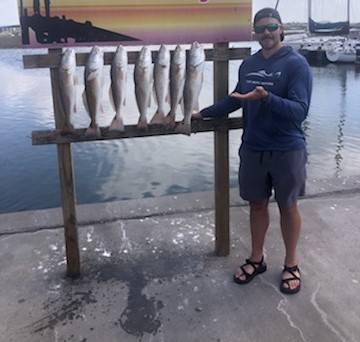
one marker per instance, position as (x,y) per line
(274,90)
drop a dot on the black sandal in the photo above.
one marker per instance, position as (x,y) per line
(288,290)
(259,267)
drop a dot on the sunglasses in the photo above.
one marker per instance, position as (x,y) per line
(270,27)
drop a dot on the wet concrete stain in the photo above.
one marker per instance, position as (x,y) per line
(142,314)
(70,308)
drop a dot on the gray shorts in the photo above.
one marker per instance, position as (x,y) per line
(262,172)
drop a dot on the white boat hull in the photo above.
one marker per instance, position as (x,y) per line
(341,55)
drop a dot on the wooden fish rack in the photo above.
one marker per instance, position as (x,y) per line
(220,55)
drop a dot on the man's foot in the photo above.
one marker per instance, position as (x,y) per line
(246,272)
(291,281)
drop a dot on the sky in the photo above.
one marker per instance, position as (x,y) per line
(290,10)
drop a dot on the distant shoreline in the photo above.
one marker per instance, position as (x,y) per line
(10,42)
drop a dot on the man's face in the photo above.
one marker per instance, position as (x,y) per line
(268,31)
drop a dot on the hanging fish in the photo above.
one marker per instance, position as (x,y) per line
(68,85)
(193,83)
(94,82)
(143,84)
(118,73)
(161,84)
(177,81)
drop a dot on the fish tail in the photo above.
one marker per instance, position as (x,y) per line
(117,125)
(183,128)
(142,124)
(170,119)
(158,118)
(93,131)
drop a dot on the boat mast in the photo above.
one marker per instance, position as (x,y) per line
(309,15)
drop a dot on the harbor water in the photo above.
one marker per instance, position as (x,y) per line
(152,166)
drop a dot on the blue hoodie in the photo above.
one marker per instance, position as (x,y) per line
(274,123)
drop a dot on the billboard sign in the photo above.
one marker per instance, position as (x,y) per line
(58,23)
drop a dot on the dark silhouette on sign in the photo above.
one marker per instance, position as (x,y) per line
(50,30)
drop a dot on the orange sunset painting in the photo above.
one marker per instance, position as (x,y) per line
(56,23)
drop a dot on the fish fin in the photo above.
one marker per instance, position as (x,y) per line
(124,102)
(75,109)
(91,76)
(111,97)
(85,101)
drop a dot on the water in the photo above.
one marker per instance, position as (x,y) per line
(154,166)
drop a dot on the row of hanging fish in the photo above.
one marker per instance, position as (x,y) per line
(175,78)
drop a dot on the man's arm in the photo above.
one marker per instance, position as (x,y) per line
(296,105)
(220,109)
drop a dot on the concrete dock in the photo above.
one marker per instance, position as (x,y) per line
(149,273)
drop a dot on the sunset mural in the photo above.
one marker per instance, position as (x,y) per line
(58,23)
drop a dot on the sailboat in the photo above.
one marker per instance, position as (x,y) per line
(329,38)
(342,50)
(339,27)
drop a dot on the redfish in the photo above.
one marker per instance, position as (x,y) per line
(94,82)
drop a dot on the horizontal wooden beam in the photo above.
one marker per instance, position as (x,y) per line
(53,60)
(131,131)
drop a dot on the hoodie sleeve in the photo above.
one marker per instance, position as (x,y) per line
(296,104)
(222,108)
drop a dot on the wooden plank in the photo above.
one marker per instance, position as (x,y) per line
(53,60)
(221,147)
(224,53)
(59,136)
(67,187)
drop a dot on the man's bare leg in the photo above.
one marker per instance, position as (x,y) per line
(259,223)
(290,222)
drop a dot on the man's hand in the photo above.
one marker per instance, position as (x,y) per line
(259,93)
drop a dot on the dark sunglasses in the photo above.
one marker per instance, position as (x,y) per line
(270,27)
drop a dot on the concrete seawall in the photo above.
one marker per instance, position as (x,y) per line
(149,273)
(167,205)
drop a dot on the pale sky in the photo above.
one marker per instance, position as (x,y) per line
(290,10)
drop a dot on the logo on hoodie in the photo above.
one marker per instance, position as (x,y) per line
(261,77)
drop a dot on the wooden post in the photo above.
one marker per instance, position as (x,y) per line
(221,138)
(67,187)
